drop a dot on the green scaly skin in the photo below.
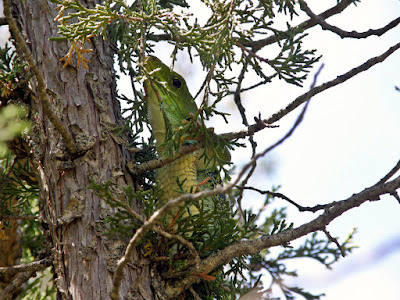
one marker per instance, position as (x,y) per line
(170,105)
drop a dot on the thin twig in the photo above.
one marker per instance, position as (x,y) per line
(396,196)
(242,111)
(391,173)
(284,197)
(347,34)
(251,53)
(18,217)
(338,8)
(137,169)
(69,141)
(127,257)
(334,240)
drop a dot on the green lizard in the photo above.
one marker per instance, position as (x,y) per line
(170,105)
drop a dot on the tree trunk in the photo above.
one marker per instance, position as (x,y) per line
(85,101)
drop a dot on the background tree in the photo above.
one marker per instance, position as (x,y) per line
(92,169)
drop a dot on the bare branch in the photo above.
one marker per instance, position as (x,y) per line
(338,80)
(253,246)
(136,169)
(347,34)
(284,197)
(239,105)
(18,217)
(33,266)
(148,225)
(69,141)
(127,257)
(251,53)
(338,8)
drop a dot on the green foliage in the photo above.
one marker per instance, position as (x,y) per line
(13,185)
(12,124)
(90,21)
(19,195)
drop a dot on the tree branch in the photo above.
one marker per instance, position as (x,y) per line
(69,141)
(390,174)
(249,247)
(3,21)
(19,217)
(338,80)
(396,196)
(338,8)
(136,169)
(33,266)
(343,33)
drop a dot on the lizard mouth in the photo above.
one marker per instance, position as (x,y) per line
(148,61)
(152,65)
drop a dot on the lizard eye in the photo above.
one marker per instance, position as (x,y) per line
(176,82)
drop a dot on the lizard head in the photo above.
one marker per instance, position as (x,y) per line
(170,104)
(167,91)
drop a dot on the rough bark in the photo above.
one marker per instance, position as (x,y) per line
(85,101)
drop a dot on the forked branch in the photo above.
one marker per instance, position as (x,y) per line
(347,34)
